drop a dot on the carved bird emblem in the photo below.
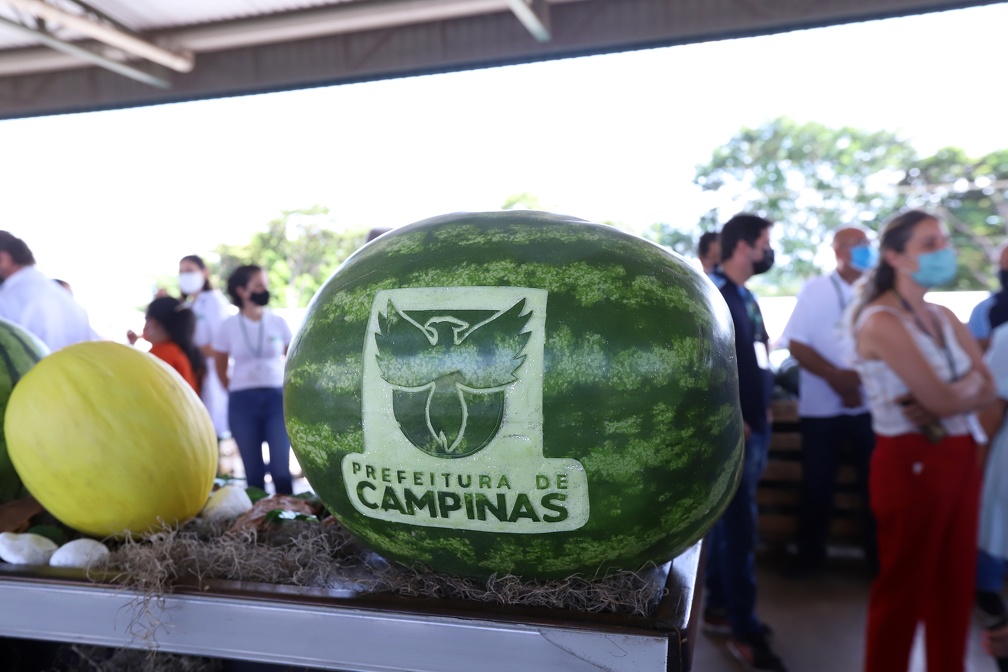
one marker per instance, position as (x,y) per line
(446,359)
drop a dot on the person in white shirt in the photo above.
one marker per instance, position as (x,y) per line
(33,301)
(256,341)
(211,309)
(831,402)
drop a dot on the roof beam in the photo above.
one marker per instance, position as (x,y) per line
(89,55)
(346,18)
(534,15)
(340,19)
(106,33)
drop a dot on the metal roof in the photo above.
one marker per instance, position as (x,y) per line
(61,56)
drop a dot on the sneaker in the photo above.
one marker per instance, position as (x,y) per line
(755,654)
(715,621)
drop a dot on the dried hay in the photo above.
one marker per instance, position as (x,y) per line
(324,555)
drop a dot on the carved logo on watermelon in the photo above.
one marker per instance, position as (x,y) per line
(451,413)
(449,372)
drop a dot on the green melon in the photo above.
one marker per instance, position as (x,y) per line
(20,350)
(517,392)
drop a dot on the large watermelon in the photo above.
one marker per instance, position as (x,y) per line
(517,392)
(19,351)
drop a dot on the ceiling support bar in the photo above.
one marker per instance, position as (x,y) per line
(534,15)
(125,69)
(347,18)
(109,34)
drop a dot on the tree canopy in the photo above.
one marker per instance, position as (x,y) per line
(970,196)
(811,179)
(808,178)
(299,250)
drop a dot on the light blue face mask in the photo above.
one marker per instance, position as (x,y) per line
(863,258)
(937,268)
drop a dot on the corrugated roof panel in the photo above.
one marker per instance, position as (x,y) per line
(154,15)
(165,14)
(11,37)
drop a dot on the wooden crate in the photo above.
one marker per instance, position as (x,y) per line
(778,492)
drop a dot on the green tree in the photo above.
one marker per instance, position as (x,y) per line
(680,241)
(522,201)
(677,240)
(299,251)
(809,179)
(971,197)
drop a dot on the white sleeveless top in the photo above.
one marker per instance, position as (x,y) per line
(882,385)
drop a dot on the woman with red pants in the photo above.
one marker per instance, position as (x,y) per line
(925,377)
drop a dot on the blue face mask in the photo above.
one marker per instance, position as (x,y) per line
(935,269)
(863,258)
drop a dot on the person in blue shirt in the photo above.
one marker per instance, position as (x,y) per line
(992,311)
(730,571)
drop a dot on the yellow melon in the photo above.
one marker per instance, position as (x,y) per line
(111,440)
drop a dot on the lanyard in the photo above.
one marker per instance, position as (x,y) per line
(839,293)
(938,331)
(258,351)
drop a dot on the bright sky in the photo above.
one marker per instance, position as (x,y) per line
(110,200)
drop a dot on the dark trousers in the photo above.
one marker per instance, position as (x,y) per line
(823,441)
(731,559)
(256,416)
(990,572)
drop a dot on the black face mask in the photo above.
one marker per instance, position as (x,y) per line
(764,264)
(1003,278)
(260,298)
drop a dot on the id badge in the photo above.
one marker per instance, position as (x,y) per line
(762,358)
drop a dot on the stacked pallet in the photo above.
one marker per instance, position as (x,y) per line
(778,494)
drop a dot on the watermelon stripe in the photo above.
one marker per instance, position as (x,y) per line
(30,350)
(20,351)
(13,373)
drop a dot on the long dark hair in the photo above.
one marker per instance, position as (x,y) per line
(895,234)
(180,324)
(198,260)
(240,277)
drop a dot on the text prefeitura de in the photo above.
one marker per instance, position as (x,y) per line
(446,495)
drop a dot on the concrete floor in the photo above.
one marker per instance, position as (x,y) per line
(818,622)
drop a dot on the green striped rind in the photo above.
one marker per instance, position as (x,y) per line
(639,384)
(19,351)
